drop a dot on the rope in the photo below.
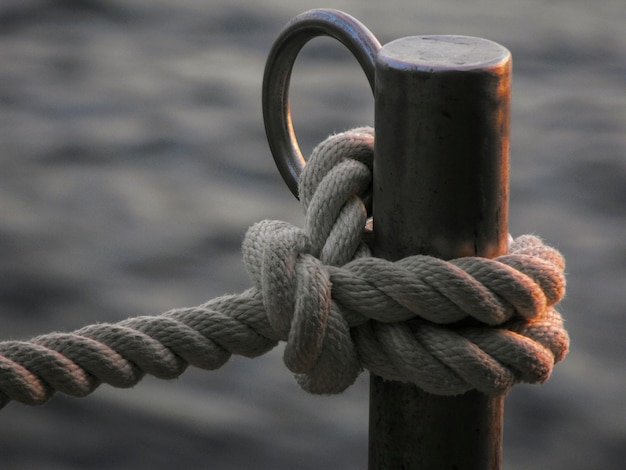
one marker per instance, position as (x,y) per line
(446,326)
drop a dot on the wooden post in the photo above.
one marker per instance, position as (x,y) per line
(440,188)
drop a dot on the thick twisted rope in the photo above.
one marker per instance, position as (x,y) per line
(448,327)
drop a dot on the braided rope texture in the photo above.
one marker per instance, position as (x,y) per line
(446,326)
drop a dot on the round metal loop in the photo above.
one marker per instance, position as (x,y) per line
(276,111)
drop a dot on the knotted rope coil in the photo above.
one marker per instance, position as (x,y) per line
(446,326)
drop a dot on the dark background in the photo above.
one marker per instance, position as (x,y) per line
(133,158)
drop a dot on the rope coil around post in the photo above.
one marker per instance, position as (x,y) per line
(446,326)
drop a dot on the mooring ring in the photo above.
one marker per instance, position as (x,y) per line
(276,111)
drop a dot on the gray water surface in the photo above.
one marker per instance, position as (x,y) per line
(133,158)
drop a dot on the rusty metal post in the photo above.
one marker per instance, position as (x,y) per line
(440,188)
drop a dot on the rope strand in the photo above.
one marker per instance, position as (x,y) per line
(446,326)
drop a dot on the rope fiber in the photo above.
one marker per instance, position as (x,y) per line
(446,326)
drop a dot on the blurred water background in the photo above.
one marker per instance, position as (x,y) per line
(133,158)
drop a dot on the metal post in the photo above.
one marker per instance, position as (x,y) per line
(440,188)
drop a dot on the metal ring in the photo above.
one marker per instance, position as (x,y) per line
(276,112)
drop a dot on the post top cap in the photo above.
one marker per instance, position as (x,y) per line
(440,53)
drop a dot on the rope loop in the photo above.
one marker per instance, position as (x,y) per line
(445,326)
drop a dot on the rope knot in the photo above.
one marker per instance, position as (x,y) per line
(340,309)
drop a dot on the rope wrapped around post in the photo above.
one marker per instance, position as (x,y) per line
(446,326)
